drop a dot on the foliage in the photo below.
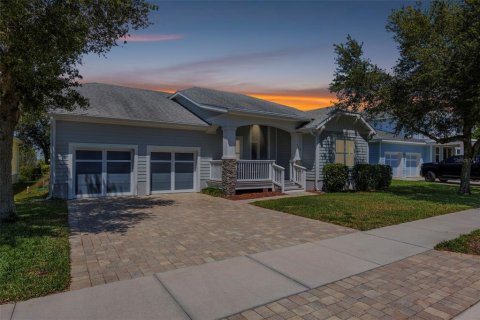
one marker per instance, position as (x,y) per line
(403,201)
(466,243)
(27,155)
(434,89)
(41,48)
(385,174)
(33,172)
(335,177)
(34,252)
(370,177)
(35,131)
(214,192)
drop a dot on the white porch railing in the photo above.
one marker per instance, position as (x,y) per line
(254,170)
(298,174)
(278,176)
(216,170)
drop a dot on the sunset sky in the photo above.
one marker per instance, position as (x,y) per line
(275,50)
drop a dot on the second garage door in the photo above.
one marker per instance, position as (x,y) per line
(172,172)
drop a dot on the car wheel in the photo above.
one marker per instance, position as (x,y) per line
(443,180)
(430,176)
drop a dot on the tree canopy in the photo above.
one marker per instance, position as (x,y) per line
(434,88)
(42,43)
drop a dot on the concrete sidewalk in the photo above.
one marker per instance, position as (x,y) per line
(220,289)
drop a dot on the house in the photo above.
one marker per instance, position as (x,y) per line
(406,155)
(16,159)
(140,142)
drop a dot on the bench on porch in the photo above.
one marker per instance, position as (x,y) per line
(262,174)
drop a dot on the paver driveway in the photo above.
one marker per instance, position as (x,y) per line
(121,238)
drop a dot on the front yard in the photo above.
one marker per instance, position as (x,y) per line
(34,251)
(466,243)
(404,201)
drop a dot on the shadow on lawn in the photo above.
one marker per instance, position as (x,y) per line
(435,192)
(114,215)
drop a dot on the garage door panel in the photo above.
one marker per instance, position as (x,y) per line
(184,175)
(118,177)
(394,161)
(88,178)
(161,176)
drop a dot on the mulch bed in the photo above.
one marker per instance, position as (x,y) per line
(254,195)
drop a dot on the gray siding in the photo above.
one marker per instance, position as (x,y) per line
(76,132)
(308,155)
(343,128)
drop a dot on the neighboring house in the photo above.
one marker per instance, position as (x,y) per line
(405,155)
(138,142)
(16,159)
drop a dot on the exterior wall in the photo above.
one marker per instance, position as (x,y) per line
(93,133)
(379,149)
(343,128)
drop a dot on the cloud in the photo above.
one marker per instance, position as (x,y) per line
(152,37)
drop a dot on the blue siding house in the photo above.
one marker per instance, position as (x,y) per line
(406,155)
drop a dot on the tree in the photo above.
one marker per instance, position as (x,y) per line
(42,43)
(434,88)
(35,131)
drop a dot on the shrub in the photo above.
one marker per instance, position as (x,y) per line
(335,177)
(367,177)
(384,176)
(29,173)
(214,192)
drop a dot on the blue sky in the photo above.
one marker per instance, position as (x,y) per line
(278,50)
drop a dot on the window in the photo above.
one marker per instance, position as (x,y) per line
(345,152)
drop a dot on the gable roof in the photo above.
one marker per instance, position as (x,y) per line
(228,101)
(124,103)
(319,116)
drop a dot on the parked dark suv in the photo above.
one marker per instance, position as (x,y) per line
(449,169)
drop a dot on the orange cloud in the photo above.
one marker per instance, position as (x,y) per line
(299,102)
(152,37)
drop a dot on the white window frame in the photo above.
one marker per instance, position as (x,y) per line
(73,147)
(173,150)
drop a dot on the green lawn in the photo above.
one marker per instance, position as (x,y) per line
(466,243)
(34,251)
(403,201)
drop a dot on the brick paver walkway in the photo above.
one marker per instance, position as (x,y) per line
(429,286)
(121,238)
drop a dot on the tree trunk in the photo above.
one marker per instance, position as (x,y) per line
(46,153)
(7,204)
(9,116)
(467,167)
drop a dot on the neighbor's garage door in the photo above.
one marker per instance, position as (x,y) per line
(412,164)
(172,171)
(103,172)
(394,160)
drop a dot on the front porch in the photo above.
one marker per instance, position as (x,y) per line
(261,174)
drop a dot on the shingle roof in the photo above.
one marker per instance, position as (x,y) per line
(241,103)
(384,135)
(318,116)
(116,102)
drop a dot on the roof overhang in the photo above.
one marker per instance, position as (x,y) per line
(128,122)
(337,115)
(390,141)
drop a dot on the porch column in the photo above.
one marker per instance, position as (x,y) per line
(229,161)
(296,150)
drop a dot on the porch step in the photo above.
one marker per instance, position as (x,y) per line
(292,186)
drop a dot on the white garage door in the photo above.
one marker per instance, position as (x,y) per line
(172,172)
(394,160)
(103,172)
(412,165)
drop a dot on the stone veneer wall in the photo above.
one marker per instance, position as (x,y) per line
(229,176)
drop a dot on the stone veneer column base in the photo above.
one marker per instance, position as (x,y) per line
(229,176)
